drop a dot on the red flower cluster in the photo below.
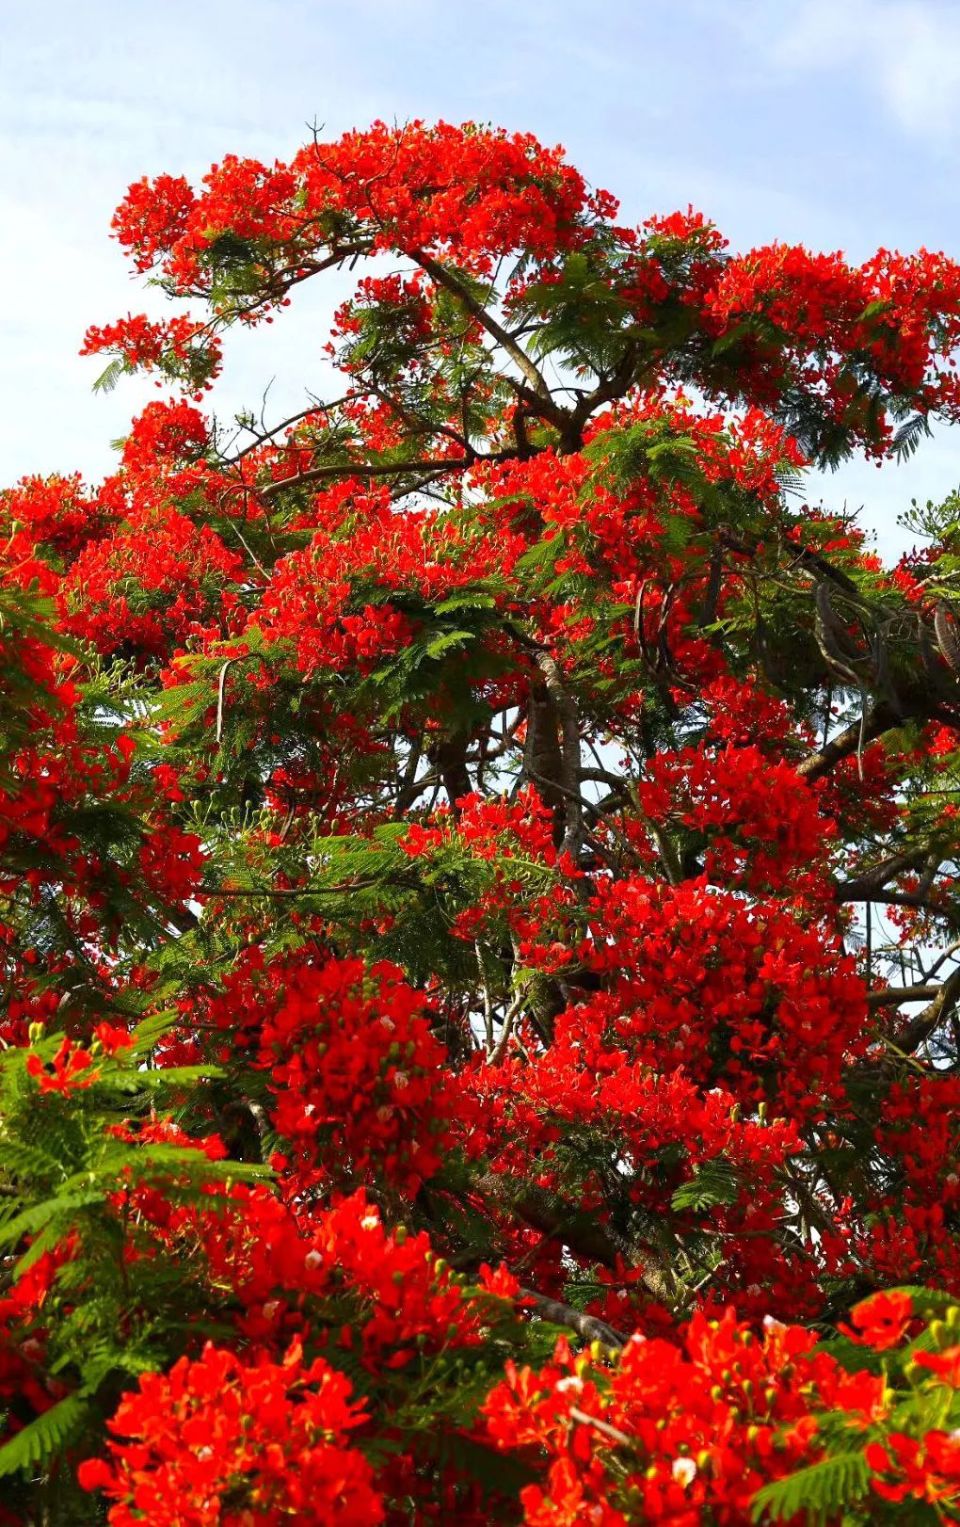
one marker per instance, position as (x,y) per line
(396,1300)
(337,600)
(180,347)
(226,1441)
(764,828)
(26,1388)
(356,1074)
(880,1321)
(906,1469)
(424,188)
(885,310)
(673,1432)
(158,576)
(742,995)
(353,1063)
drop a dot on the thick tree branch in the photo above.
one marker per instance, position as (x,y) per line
(882,718)
(943,1004)
(569,752)
(880,875)
(450,757)
(539,392)
(586,1326)
(912,899)
(896,995)
(610,388)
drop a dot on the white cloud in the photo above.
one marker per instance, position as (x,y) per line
(905,51)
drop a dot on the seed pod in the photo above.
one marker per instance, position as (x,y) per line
(947,638)
(836,648)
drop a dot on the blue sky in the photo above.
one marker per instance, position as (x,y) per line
(832,122)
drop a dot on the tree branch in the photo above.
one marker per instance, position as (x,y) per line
(896,995)
(880,875)
(360,469)
(561,1221)
(586,1326)
(932,1016)
(539,389)
(881,719)
(569,753)
(896,899)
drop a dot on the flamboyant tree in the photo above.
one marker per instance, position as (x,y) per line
(480,930)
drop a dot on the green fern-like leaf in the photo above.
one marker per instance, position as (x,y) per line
(818,1491)
(909,435)
(110,376)
(37,1216)
(467,599)
(44,1436)
(714,1183)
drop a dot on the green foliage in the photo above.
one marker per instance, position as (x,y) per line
(498,1474)
(817,1493)
(111,374)
(31,1447)
(583,318)
(713,1183)
(67,1180)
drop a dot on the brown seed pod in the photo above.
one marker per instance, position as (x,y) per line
(948,639)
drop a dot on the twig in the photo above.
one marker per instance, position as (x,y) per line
(580,1416)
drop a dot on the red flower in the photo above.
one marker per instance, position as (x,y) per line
(880,1321)
(925,1470)
(945,1365)
(73,1069)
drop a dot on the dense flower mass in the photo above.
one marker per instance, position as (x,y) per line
(779,1014)
(675,1416)
(479,915)
(354,1072)
(219,1440)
